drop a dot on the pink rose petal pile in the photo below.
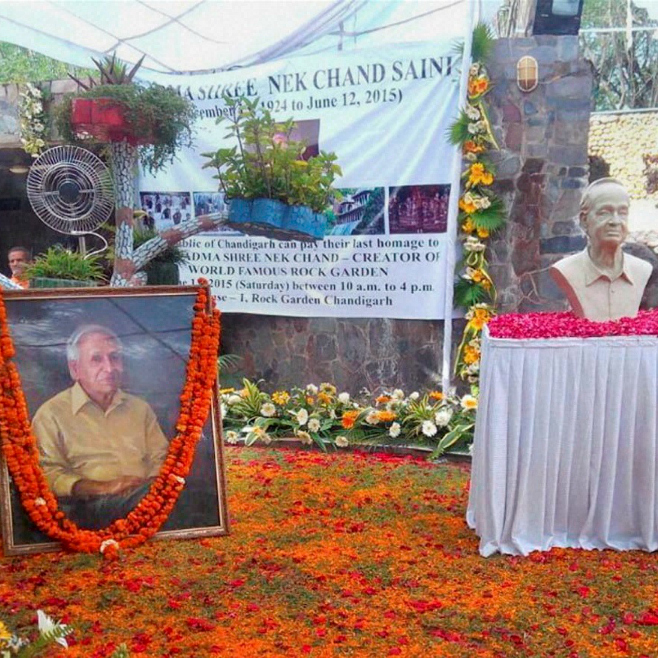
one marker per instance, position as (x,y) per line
(567,325)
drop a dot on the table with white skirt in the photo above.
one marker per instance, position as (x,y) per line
(565,451)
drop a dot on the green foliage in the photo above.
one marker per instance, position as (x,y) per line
(374,209)
(625,72)
(50,632)
(267,163)
(468,293)
(61,263)
(19,64)
(228,361)
(491,218)
(482,44)
(458,132)
(156,113)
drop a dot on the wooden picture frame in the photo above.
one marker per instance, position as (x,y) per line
(153,325)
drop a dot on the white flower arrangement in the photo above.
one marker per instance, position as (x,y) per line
(433,418)
(473,244)
(232,437)
(268,410)
(313,425)
(304,437)
(372,417)
(428,428)
(442,417)
(32,120)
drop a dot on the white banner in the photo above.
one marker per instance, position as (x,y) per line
(386,115)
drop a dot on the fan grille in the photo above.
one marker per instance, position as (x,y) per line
(70,190)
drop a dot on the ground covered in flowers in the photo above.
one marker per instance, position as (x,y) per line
(343,554)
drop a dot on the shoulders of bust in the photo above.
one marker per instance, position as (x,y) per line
(640,269)
(639,264)
(570,264)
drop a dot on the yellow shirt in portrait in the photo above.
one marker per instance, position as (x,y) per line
(78,440)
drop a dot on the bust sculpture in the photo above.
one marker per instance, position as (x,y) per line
(602,282)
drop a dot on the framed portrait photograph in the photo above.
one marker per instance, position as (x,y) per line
(102,371)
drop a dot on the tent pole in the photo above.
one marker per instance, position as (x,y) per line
(452,228)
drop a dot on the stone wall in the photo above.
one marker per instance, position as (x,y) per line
(9,121)
(621,140)
(352,353)
(542,166)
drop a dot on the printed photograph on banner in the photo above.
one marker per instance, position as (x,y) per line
(102,375)
(360,211)
(307,132)
(210,202)
(165,209)
(418,208)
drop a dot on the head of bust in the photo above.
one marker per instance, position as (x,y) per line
(604,213)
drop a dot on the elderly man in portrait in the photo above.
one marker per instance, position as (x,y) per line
(100,447)
(602,282)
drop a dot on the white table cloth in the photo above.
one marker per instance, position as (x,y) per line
(565,451)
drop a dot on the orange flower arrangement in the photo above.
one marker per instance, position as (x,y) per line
(471,146)
(280,397)
(383,399)
(467,206)
(349,418)
(479,175)
(19,445)
(470,355)
(477,86)
(386,416)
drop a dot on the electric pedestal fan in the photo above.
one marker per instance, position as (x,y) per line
(70,189)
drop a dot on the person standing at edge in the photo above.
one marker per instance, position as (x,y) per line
(19,258)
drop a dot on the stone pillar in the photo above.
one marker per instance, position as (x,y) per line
(542,166)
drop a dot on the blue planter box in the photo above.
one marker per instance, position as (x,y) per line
(239,211)
(269,211)
(273,218)
(319,226)
(299,218)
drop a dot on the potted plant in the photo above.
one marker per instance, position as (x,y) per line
(264,176)
(59,267)
(136,122)
(115,109)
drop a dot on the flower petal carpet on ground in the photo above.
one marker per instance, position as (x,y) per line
(340,554)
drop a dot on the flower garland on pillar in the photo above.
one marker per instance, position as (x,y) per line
(481,212)
(19,445)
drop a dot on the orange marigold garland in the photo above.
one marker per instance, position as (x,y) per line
(19,445)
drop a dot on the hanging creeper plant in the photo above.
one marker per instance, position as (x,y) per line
(481,212)
(146,123)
